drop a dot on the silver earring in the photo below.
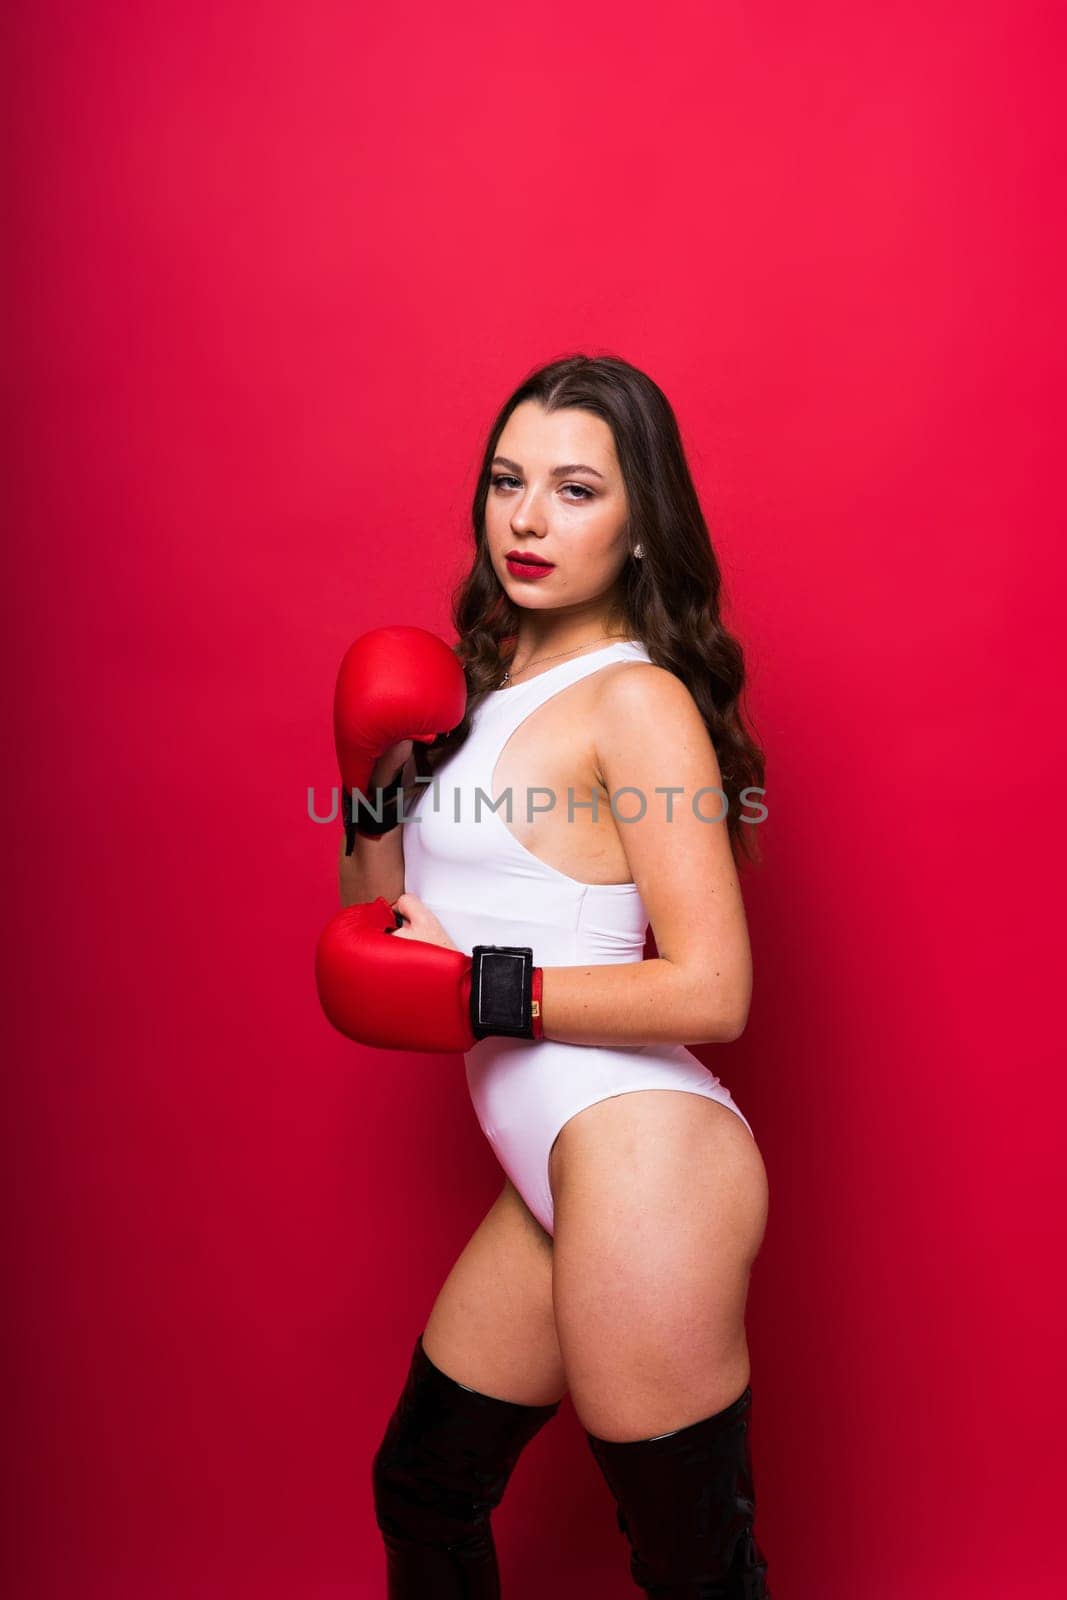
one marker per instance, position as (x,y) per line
(637,553)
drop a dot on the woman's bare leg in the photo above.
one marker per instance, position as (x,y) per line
(660,1203)
(660,1210)
(492,1325)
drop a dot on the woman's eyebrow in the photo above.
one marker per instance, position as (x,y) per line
(557,472)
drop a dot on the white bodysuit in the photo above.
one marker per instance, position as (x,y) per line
(485,887)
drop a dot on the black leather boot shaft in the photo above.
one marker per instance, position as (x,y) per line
(687,1505)
(440,1470)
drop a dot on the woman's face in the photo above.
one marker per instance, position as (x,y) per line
(556,493)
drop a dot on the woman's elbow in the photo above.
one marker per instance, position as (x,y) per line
(725,1012)
(731,1027)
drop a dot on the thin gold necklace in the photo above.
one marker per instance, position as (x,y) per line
(537,662)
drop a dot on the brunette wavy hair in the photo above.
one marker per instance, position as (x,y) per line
(671,597)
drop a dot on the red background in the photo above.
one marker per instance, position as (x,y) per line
(271,271)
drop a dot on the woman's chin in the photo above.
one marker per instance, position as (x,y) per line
(525,595)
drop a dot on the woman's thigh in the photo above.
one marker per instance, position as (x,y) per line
(492,1325)
(661,1205)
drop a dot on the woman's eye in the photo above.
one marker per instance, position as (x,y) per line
(586,494)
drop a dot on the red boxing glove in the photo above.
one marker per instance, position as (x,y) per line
(405,994)
(393,684)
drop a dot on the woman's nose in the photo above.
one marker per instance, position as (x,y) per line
(527,519)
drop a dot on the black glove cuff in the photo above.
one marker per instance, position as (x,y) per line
(501,991)
(359,816)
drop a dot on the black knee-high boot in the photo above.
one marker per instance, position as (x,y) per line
(441,1468)
(686,1503)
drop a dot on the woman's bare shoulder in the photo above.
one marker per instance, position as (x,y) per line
(639,690)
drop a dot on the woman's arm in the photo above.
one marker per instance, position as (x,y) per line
(649,734)
(376,865)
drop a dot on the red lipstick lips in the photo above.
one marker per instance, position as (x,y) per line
(524,564)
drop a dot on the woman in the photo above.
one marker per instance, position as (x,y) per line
(615,1262)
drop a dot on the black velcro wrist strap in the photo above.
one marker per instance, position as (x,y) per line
(358,812)
(501,986)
